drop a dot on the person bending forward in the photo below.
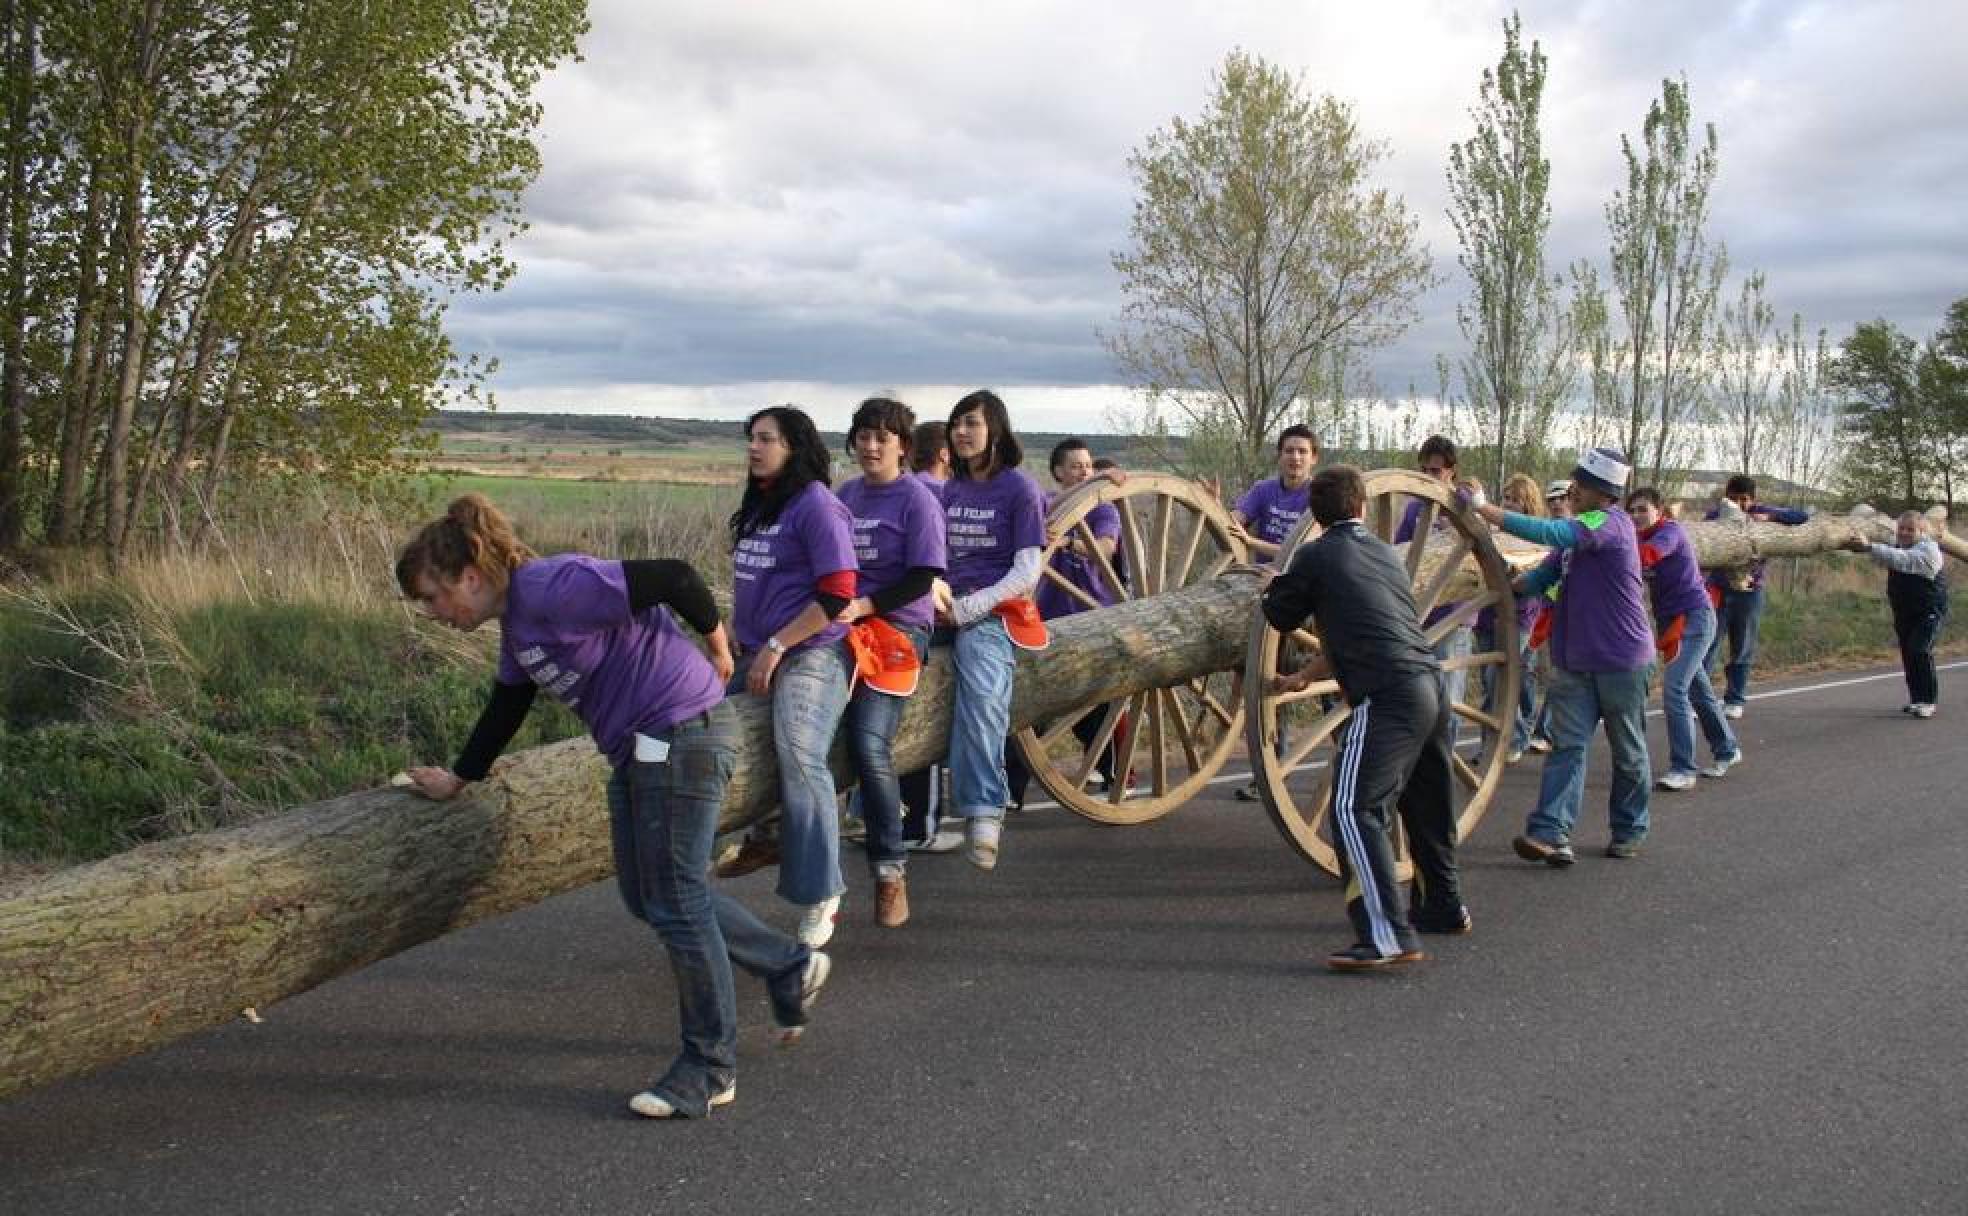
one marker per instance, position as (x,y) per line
(1395,748)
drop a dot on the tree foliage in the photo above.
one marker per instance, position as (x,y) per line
(1804,414)
(1745,363)
(1887,421)
(243,221)
(1261,252)
(1519,365)
(1665,276)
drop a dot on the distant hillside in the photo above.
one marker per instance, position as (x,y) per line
(571,429)
(621,430)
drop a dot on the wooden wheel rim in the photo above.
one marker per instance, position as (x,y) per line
(1300,800)
(1174,533)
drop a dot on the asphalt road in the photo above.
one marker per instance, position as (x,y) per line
(1767,1012)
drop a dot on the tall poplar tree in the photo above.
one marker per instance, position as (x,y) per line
(1665,278)
(1745,365)
(1518,366)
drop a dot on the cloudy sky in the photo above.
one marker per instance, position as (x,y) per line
(760,201)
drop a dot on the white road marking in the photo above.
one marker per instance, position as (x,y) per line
(1240,778)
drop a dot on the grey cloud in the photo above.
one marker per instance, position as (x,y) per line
(889,193)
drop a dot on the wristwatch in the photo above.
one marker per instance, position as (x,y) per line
(775,646)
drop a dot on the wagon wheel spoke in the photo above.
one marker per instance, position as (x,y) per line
(1060,726)
(1321,730)
(1069,587)
(1488,722)
(1117,788)
(1418,539)
(1164,521)
(1380,516)
(1467,775)
(1101,739)
(1101,559)
(1137,553)
(1307,639)
(1199,524)
(1223,561)
(1476,659)
(1158,706)
(1463,614)
(1318,688)
(1444,574)
(1209,702)
(1185,731)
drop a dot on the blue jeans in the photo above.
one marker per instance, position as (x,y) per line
(1455,646)
(1581,700)
(1687,697)
(1742,616)
(809,691)
(979,720)
(663,818)
(871,720)
(1520,728)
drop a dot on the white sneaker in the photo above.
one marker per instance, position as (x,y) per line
(1909,707)
(981,842)
(1733,709)
(946,840)
(1721,767)
(818,968)
(651,1105)
(817,922)
(1923,711)
(1676,781)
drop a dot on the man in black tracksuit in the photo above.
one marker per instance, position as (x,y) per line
(1395,748)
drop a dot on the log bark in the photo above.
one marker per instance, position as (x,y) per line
(106,960)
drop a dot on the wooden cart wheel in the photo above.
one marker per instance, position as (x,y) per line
(1172,740)
(1453,561)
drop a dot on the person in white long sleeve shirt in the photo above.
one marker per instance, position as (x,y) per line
(1917,590)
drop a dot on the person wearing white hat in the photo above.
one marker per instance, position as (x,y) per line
(1602,642)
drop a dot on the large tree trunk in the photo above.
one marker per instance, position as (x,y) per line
(20,59)
(109,959)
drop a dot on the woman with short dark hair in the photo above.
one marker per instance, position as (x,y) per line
(898,544)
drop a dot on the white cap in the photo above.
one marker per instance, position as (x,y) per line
(1603,469)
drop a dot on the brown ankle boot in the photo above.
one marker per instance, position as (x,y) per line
(891,902)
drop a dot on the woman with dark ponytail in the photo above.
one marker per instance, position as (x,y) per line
(599,637)
(793,563)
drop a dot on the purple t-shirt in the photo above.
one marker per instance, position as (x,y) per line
(934,483)
(1674,582)
(1104,521)
(567,627)
(897,527)
(989,521)
(1599,615)
(776,568)
(1271,511)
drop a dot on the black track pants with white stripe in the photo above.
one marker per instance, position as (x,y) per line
(1395,755)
